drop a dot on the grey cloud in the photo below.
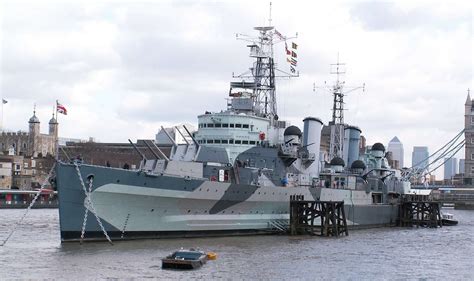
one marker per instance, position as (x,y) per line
(378,16)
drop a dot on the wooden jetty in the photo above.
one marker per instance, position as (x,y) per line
(419,210)
(322,218)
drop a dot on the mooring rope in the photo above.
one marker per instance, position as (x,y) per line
(50,174)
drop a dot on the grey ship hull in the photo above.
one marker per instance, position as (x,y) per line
(133,205)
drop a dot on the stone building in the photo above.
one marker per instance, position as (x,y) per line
(27,157)
(32,143)
(469,141)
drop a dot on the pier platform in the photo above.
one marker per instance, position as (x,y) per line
(322,218)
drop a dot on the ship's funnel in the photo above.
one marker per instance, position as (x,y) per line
(351,144)
(312,142)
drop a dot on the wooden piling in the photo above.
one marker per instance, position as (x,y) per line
(305,215)
(419,211)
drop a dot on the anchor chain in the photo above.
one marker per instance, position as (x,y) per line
(89,203)
(43,185)
(86,212)
(125,226)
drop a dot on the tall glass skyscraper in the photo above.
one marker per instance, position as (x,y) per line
(450,168)
(419,157)
(396,147)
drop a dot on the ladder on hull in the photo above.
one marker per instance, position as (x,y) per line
(279,226)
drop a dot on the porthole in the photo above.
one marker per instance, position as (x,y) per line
(118,181)
(152,210)
(189,211)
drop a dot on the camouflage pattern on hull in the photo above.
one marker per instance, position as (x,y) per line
(135,205)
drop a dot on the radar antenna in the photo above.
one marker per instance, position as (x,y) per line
(337,122)
(258,83)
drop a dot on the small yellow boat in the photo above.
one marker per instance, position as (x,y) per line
(211,256)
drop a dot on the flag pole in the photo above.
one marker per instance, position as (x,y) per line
(1,121)
(55,111)
(56,107)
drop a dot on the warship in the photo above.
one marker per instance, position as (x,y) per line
(237,172)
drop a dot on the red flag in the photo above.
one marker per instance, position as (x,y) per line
(61,108)
(288,52)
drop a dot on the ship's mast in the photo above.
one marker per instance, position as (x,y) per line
(337,122)
(259,81)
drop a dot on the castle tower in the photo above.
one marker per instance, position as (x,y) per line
(34,135)
(469,140)
(53,131)
(53,127)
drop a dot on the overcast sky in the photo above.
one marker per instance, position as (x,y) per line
(124,68)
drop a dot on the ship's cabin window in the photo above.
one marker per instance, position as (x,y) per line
(217,141)
(210,141)
(238,125)
(231,141)
(245,142)
(238,142)
(245,126)
(472,170)
(225,141)
(225,125)
(217,125)
(472,119)
(252,142)
(231,125)
(210,125)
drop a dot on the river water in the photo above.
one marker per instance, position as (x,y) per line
(35,252)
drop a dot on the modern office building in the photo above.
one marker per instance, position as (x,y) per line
(396,147)
(419,157)
(461,166)
(450,168)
